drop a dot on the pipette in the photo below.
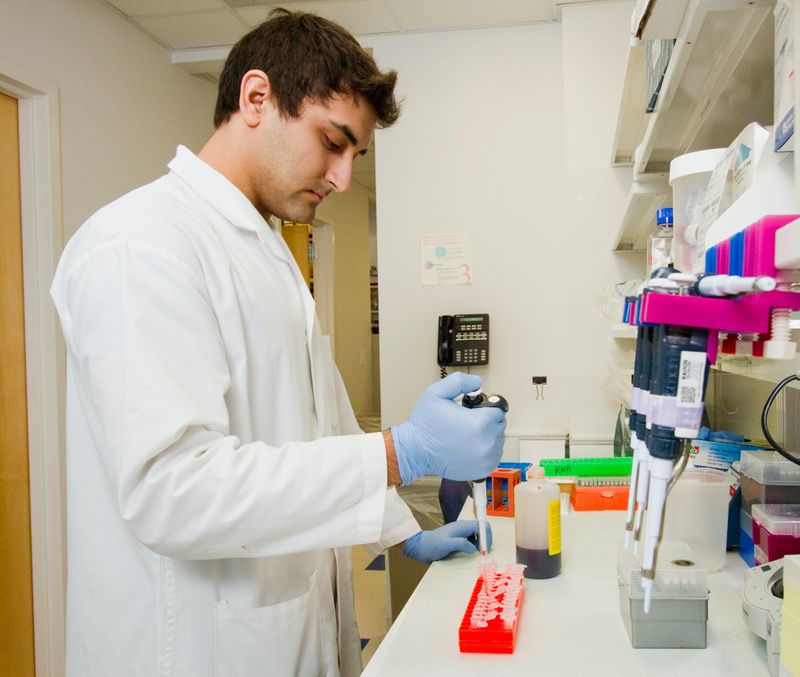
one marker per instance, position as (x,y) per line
(637,495)
(725,285)
(475,400)
(677,386)
(479,496)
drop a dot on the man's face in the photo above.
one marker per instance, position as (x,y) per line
(300,161)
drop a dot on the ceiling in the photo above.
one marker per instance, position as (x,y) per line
(185,24)
(199,33)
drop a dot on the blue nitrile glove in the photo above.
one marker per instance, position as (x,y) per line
(428,546)
(721,435)
(443,438)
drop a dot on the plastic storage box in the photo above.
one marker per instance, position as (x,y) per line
(767,477)
(679,609)
(776,531)
(746,549)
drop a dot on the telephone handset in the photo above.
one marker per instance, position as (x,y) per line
(463,340)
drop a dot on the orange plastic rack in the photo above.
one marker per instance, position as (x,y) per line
(500,492)
(600,498)
(499,634)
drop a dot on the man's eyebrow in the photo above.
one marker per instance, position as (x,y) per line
(344,129)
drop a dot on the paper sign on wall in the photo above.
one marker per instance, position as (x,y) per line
(446,258)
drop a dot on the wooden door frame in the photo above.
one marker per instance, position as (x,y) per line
(42,241)
(322,234)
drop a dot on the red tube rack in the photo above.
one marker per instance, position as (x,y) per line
(498,636)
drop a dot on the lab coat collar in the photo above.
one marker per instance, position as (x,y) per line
(229,201)
(220,193)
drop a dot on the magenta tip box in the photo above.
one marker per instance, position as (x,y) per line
(776,531)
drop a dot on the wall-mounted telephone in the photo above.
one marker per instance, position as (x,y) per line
(463,340)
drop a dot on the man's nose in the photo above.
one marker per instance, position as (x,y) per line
(340,173)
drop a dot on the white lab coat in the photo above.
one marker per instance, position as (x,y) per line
(215,470)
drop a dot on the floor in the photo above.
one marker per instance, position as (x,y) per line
(370,584)
(371,592)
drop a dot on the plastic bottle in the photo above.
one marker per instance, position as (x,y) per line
(659,248)
(537,524)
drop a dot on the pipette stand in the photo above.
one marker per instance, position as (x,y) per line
(490,622)
(751,252)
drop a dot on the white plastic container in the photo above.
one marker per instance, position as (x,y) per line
(697,513)
(688,176)
(537,525)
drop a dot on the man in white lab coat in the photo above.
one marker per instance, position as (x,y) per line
(216,475)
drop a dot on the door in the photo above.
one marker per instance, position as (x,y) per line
(16,586)
(296,236)
(322,237)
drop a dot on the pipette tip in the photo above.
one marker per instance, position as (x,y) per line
(647,584)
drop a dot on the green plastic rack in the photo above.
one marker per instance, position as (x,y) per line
(586,467)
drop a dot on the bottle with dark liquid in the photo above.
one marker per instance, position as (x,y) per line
(537,523)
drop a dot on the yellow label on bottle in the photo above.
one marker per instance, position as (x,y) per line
(554,527)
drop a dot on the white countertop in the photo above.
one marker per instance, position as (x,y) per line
(569,625)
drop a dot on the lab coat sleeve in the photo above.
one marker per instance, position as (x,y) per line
(151,374)
(398,521)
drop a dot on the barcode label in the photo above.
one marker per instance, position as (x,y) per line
(690,380)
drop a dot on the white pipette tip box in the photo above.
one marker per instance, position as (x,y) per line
(679,607)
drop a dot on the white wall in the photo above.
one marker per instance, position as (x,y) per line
(477,150)
(595,47)
(506,135)
(124,107)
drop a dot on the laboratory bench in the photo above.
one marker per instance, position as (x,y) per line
(569,625)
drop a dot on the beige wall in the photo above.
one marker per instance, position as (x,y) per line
(123,106)
(349,216)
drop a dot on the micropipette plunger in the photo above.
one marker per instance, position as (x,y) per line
(474,400)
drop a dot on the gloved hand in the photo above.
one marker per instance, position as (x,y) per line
(429,546)
(443,438)
(722,435)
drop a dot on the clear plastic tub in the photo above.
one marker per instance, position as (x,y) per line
(697,513)
(776,531)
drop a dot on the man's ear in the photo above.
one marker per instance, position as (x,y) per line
(254,97)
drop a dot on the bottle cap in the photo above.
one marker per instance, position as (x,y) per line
(535,472)
(664,216)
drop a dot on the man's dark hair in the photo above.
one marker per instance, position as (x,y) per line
(306,57)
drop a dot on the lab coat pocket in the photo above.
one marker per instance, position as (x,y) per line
(282,640)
